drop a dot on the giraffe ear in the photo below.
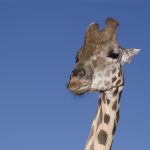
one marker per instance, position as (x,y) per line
(127,54)
(92,32)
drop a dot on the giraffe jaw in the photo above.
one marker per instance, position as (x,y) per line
(81,89)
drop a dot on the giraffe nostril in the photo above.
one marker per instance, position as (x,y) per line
(74,73)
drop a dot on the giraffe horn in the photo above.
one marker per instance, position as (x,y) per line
(92,33)
(110,29)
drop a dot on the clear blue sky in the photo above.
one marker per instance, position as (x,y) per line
(38,43)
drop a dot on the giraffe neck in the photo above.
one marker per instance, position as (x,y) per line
(105,122)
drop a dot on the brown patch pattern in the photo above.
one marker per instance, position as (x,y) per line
(106,118)
(114,79)
(117,116)
(108,101)
(99,102)
(115,92)
(114,107)
(102,137)
(114,128)
(119,73)
(119,97)
(118,82)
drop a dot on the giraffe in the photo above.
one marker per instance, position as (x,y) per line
(99,67)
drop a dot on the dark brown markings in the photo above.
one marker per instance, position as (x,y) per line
(117,116)
(118,82)
(99,102)
(114,107)
(119,73)
(102,137)
(111,145)
(119,97)
(115,122)
(106,118)
(114,70)
(115,92)
(99,121)
(108,101)
(114,128)
(114,79)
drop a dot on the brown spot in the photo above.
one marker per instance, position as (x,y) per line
(119,73)
(99,102)
(102,137)
(115,92)
(119,81)
(119,97)
(106,118)
(106,83)
(114,107)
(114,79)
(111,145)
(108,101)
(114,128)
(117,116)
(114,70)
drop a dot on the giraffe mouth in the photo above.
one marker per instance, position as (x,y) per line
(81,89)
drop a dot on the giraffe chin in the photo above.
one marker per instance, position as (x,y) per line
(81,90)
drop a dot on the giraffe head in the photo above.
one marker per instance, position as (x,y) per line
(99,61)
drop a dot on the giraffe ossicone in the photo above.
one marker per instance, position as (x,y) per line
(99,68)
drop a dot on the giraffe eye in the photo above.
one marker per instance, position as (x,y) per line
(81,74)
(113,55)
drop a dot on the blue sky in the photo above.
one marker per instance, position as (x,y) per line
(38,43)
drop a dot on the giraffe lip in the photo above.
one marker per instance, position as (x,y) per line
(73,90)
(81,89)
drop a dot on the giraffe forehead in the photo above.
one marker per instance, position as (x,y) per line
(108,45)
(92,51)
